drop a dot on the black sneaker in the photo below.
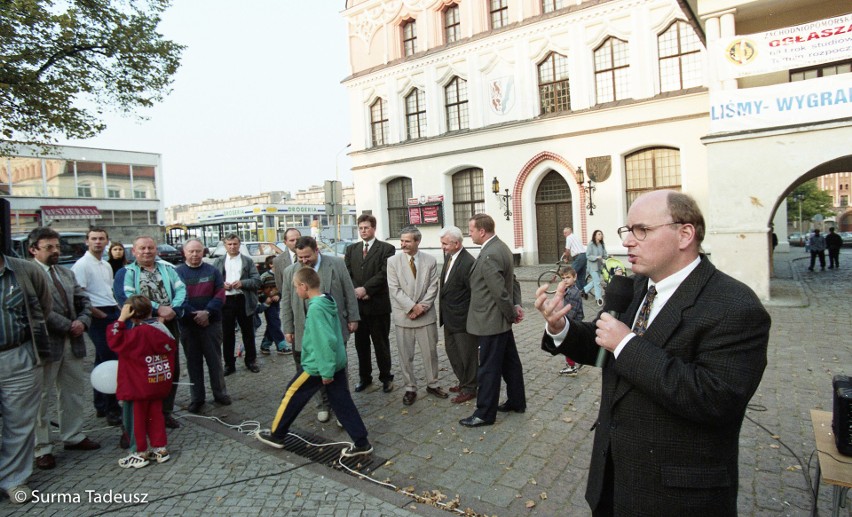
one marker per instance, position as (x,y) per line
(267,438)
(354,451)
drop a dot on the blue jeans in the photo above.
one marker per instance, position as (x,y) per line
(104,402)
(579,265)
(273,333)
(595,283)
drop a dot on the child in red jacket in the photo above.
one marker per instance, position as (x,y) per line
(146,355)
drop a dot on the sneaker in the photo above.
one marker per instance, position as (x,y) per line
(134,460)
(569,370)
(354,451)
(264,351)
(268,438)
(285,350)
(20,494)
(160,455)
(323,416)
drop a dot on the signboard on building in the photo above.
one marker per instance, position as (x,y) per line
(70,212)
(811,44)
(801,102)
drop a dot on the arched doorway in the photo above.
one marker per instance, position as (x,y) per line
(553,212)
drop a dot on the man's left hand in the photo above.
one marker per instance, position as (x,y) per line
(77,328)
(353,326)
(519,314)
(166,312)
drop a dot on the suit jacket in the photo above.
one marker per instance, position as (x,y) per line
(334,279)
(371,273)
(455,293)
(79,306)
(406,291)
(249,278)
(279,264)
(37,303)
(673,402)
(495,289)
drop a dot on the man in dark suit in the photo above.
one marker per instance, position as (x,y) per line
(241,284)
(495,307)
(454,295)
(367,262)
(676,386)
(66,324)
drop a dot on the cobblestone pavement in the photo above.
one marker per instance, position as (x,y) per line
(526,464)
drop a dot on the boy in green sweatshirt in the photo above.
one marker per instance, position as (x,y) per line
(323,363)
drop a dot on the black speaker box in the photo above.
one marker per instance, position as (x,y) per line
(841,422)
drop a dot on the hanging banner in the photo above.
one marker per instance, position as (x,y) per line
(800,102)
(811,44)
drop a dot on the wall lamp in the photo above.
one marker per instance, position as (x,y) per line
(590,206)
(504,198)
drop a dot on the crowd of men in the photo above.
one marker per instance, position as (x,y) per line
(681,363)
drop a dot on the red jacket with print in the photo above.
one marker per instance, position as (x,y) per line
(146,356)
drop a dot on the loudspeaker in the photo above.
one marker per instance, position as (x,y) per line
(841,422)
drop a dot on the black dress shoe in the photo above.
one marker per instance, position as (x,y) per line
(409,398)
(230,370)
(113,419)
(361,386)
(195,407)
(506,407)
(85,444)
(171,423)
(387,386)
(253,367)
(224,401)
(46,462)
(438,392)
(474,421)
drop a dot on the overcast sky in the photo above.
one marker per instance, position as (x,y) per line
(257,103)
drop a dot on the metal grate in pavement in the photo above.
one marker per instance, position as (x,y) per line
(329,454)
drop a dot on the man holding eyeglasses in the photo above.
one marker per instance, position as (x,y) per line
(684,361)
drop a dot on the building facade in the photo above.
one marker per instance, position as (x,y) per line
(77,187)
(451,98)
(837,186)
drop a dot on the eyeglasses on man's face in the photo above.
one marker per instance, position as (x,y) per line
(640,231)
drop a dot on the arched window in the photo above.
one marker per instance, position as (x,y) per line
(651,169)
(468,196)
(455,95)
(680,57)
(379,122)
(612,70)
(553,84)
(415,114)
(409,37)
(398,190)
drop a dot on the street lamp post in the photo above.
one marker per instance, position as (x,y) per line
(337,178)
(799,198)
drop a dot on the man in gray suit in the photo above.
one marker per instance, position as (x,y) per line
(684,361)
(495,307)
(335,280)
(241,284)
(283,260)
(413,288)
(66,324)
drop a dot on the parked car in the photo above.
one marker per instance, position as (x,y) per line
(128,254)
(72,246)
(847,238)
(169,253)
(334,248)
(256,250)
(796,239)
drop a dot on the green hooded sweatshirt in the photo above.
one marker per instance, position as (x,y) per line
(323,350)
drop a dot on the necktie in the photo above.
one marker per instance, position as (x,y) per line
(59,289)
(645,312)
(366,247)
(413,267)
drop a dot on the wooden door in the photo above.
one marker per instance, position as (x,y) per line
(553,209)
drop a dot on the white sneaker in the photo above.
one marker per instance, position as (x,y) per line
(323,416)
(160,455)
(19,494)
(570,370)
(133,460)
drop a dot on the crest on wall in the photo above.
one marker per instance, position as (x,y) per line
(501,94)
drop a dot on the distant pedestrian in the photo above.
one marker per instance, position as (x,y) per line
(323,360)
(116,259)
(833,242)
(575,252)
(817,250)
(146,361)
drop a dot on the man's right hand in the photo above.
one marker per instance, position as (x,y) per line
(360,293)
(290,338)
(166,312)
(97,313)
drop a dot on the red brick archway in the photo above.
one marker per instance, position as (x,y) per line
(517,210)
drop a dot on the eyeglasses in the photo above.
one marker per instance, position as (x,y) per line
(640,231)
(49,247)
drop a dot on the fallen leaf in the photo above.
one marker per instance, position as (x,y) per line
(533,481)
(530,504)
(298,493)
(543,495)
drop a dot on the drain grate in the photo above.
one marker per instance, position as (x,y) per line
(329,454)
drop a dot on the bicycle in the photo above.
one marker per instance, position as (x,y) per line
(612,267)
(551,277)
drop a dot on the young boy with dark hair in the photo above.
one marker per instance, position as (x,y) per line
(323,363)
(146,356)
(269,303)
(572,297)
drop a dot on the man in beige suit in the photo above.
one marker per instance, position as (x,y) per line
(413,288)
(283,260)
(494,306)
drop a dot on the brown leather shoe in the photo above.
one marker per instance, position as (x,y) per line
(409,398)
(83,445)
(463,397)
(46,462)
(438,392)
(171,423)
(455,389)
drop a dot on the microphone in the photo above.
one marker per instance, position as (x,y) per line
(619,294)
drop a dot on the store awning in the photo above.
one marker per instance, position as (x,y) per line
(70,212)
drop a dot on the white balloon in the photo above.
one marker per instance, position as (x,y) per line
(105,377)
